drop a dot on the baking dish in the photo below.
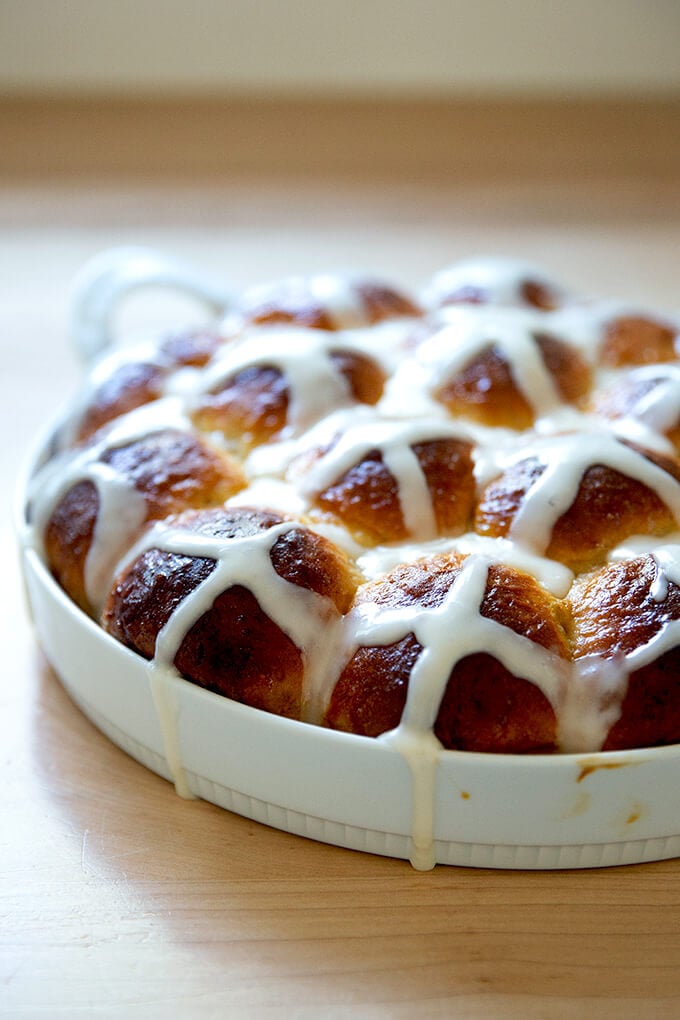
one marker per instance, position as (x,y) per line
(460,808)
(500,811)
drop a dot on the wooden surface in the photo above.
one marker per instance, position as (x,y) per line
(448,141)
(119,899)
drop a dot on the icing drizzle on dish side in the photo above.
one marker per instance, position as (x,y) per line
(328,431)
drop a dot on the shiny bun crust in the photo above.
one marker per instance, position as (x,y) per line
(324,302)
(168,471)
(638,340)
(451,518)
(609,505)
(484,706)
(622,608)
(252,406)
(650,396)
(365,497)
(233,648)
(484,389)
(134,383)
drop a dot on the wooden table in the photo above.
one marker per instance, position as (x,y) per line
(118,898)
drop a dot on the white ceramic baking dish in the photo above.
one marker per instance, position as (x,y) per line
(500,811)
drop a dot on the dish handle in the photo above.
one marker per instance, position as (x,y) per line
(111,276)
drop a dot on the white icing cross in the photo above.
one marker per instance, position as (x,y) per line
(395,441)
(500,279)
(566,459)
(447,633)
(304,359)
(122,507)
(242,560)
(471,332)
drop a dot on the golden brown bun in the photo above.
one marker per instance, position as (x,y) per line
(138,382)
(68,537)
(251,407)
(485,707)
(366,498)
(609,507)
(382,302)
(193,349)
(614,612)
(171,469)
(532,293)
(234,648)
(638,340)
(175,470)
(485,391)
(128,387)
(294,302)
(625,399)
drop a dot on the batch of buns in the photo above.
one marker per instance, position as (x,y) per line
(450,520)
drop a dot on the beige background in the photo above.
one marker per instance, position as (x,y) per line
(360,47)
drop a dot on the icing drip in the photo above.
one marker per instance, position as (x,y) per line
(121,513)
(591,703)
(421,752)
(240,561)
(164,692)
(447,633)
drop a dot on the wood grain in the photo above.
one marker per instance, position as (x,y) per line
(118,898)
